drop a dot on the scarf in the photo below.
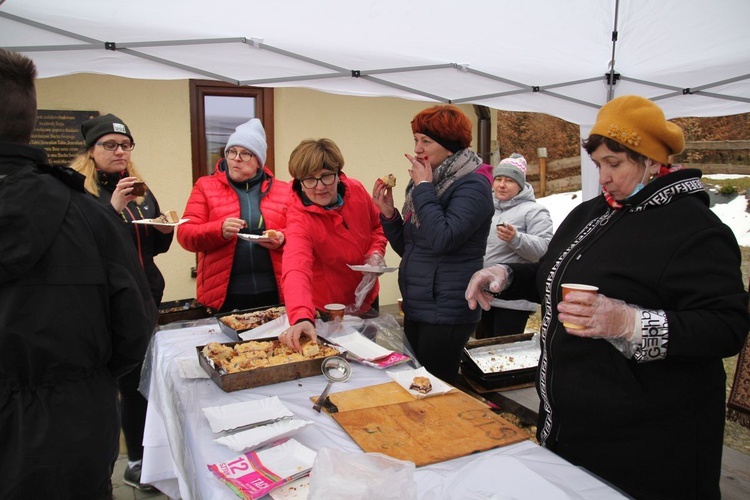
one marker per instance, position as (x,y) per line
(454,167)
(663,170)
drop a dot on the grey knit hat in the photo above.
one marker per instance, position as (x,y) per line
(513,167)
(250,135)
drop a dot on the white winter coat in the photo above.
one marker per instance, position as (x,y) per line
(533,232)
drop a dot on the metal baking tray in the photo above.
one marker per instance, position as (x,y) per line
(182,310)
(266,375)
(231,332)
(501,361)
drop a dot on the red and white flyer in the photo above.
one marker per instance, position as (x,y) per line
(255,473)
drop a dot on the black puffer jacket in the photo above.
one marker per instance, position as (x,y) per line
(653,427)
(75,312)
(439,257)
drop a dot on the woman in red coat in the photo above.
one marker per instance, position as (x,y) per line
(240,197)
(332,223)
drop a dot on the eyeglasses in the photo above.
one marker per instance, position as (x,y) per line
(311,182)
(112,145)
(244,155)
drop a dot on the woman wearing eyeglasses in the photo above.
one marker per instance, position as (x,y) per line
(241,197)
(331,224)
(110,177)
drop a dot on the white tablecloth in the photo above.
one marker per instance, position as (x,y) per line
(179,443)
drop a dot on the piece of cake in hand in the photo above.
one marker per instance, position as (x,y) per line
(139,188)
(389,181)
(421,384)
(310,349)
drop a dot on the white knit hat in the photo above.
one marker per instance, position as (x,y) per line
(513,167)
(250,135)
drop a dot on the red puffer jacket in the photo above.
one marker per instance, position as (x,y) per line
(211,202)
(319,246)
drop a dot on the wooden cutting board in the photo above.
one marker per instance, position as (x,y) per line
(367,397)
(424,431)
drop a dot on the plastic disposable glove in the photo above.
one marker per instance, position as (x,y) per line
(375,260)
(602,317)
(485,284)
(368,281)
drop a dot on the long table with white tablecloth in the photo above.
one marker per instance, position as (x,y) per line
(179,443)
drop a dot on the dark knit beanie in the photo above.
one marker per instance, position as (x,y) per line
(102,125)
(451,145)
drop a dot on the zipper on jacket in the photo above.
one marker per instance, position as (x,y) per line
(575,255)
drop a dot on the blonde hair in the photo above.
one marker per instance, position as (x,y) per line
(312,155)
(84,163)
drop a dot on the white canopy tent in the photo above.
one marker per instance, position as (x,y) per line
(561,58)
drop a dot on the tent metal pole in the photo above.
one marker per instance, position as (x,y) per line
(471,99)
(185,67)
(298,57)
(51,29)
(570,99)
(526,88)
(651,84)
(405,88)
(407,69)
(299,78)
(702,93)
(484,132)
(611,91)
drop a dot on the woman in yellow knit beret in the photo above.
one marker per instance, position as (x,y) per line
(631,381)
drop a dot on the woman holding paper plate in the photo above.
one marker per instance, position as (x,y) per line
(110,177)
(241,199)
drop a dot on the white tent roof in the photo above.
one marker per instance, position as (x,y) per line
(550,56)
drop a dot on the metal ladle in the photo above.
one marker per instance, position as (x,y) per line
(335,369)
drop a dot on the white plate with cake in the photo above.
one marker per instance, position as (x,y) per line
(259,238)
(168,218)
(420,383)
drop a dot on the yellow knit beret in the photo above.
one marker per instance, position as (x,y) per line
(639,124)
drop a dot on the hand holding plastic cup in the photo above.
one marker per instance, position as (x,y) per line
(577,287)
(335,311)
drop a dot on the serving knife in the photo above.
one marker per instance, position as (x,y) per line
(256,424)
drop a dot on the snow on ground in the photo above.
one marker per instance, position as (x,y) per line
(732,213)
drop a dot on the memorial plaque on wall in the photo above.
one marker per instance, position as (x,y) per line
(59,133)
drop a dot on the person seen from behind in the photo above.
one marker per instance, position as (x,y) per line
(76,313)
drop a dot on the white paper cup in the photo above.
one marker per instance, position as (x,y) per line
(335,311)
(576,287)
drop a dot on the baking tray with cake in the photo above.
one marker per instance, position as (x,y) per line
(234,323)
(499,362)
(241,365)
